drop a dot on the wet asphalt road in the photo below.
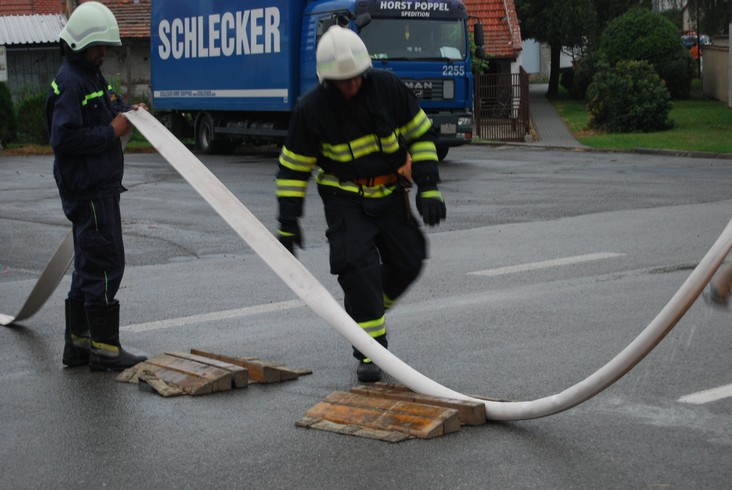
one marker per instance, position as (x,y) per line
(518,335)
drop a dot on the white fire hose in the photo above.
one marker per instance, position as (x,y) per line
(314,294)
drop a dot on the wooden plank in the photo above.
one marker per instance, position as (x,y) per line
(220,379)
(259,371)
(352,430)
(240,375)
(148,379)
(191,384)
(469,413)
(423,421)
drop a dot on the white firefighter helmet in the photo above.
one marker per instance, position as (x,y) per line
(91,24)
(341,55)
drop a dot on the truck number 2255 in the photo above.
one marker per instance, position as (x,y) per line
(453,70)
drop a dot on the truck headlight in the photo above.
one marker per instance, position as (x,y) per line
(448,90)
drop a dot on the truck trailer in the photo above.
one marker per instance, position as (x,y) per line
(229,72)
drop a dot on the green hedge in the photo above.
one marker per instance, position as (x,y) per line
(628,97)
(32,126)
(640,34)
(8,121)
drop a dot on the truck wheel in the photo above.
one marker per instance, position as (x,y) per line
(442,152)
(205,135)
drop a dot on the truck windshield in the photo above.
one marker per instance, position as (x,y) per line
(415,39)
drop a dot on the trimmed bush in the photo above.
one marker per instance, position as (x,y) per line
(640,34)
(627,98)
(32,126)
(8,122)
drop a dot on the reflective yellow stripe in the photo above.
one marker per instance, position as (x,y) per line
(375,328)
(56,90)
(91,96)
(80,341)
(423,151)
(415,128)
(390,144)
(432,195)
(388,302)
(338,153)
(330,180)
(298,163)
(103,346)
(364,145)
(291,187)
(360,147)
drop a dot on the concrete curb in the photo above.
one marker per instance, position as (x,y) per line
(641,151)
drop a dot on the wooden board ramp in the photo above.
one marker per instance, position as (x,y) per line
(259,371)
(469,412)
(200,373)
(391,413)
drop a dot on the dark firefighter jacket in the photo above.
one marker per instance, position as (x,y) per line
(88,156)
(354,140)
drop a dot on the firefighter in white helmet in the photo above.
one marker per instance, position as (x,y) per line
(362,129)
(85,125)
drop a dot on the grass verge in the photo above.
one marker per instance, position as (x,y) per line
(700,124)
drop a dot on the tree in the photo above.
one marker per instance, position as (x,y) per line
(711,16)
(606,11)
(556,23)
(569,24)
(640,34)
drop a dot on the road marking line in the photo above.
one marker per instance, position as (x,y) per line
(706,396)
(209,317)
(545,264)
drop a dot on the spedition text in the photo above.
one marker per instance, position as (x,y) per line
(246,32)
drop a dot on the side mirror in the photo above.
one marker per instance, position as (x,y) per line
(363,20)
(479,36)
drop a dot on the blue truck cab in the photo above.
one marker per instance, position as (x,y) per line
(229,72)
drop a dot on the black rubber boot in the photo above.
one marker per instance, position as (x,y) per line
(368,372)
(76,337)
(106,352)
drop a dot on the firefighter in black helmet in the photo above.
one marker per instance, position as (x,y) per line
(85,125)
(363,130)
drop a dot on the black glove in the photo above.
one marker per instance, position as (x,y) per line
(431,206)
(290,235)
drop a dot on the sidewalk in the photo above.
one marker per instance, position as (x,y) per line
(546,121)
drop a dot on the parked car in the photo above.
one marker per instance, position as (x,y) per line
(690,38)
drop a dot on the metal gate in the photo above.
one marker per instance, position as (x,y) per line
(502,106)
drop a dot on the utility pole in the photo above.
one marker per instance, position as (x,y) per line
(698,42)
(70,6)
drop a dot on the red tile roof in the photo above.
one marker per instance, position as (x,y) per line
(28,7)
(133,16)
(500,24)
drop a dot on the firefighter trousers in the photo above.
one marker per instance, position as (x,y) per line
(377,250)
(99,255)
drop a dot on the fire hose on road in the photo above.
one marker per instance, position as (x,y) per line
(314,294)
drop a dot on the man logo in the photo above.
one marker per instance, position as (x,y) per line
(419,88)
